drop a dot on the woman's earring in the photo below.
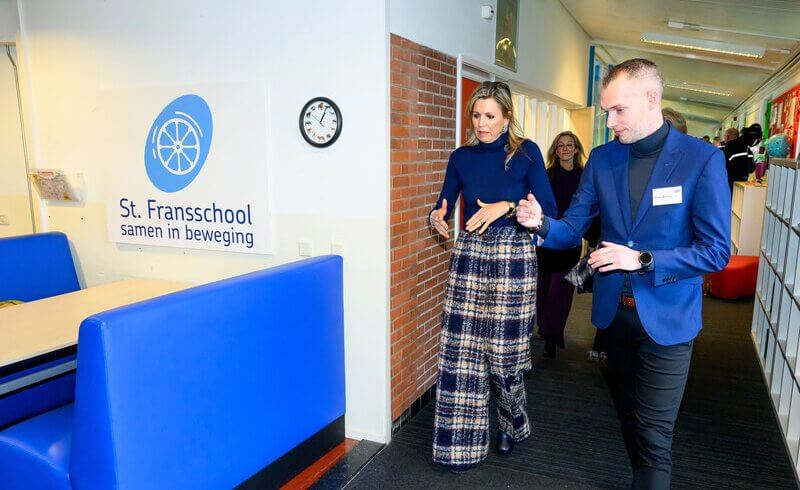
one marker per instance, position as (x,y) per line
(505,128)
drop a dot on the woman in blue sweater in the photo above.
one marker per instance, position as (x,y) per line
(490,297)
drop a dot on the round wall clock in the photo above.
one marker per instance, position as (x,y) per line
(320,122)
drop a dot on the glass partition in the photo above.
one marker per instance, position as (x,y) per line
(16,211)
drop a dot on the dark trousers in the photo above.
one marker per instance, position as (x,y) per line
(553,303)
(647,383)
(599,344)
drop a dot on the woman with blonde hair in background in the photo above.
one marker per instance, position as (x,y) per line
(490,296)
(554,294)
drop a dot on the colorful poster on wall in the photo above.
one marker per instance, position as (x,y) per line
(187,166)
(785,116)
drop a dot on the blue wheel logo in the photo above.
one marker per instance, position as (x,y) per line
(178,143)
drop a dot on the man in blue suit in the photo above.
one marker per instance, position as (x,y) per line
(664,208)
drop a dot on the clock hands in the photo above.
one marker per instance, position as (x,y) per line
(323,130)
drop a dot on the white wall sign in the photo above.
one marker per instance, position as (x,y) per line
(191,170)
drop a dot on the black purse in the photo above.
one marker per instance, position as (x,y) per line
(582,275)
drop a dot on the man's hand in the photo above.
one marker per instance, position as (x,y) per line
(486,215)
(438,222)
(612,257)
(529,212)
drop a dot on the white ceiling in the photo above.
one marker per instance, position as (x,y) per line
(616,27)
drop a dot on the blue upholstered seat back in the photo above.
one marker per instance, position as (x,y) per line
(36,266)
(204,387)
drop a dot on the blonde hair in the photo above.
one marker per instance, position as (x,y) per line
(675,118)
(577,158)
(501,93)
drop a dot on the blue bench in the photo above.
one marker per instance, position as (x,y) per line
(236,382)
(34,267)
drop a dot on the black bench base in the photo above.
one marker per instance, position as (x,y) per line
(301,457)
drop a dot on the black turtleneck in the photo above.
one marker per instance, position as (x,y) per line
(644,154)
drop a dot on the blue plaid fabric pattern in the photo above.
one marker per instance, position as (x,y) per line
(489,311)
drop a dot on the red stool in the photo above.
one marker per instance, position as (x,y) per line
(737,279)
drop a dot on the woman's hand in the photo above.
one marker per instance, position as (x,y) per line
(486,215)
(438,222)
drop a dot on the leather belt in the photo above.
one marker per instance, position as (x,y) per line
(627,301)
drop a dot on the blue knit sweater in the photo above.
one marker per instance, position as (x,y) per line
(479,172)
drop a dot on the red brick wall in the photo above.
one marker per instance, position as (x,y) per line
(423,104)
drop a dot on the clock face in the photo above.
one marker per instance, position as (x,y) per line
(320,122)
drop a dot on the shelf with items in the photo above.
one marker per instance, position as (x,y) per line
(778,217)
(788,190)
(793,337)
(784,310)
(795,219)
(774,243)
(770,226)
(737,200)
(783,238)
(747,217)
(776,316)
(793,430)
(790,274)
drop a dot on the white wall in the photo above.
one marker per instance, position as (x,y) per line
(456,27)
(75,50)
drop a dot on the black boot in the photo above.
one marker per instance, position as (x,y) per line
(549,350)
(459,468)
(505,443)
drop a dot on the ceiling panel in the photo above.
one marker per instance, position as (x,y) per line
(617,26)
(727,78)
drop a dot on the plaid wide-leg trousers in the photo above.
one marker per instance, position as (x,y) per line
(489,312)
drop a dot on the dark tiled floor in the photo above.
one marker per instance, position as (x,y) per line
(348,466)
(727,434)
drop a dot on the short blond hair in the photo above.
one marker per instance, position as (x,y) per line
(732,132)
(675,118)
(640,68)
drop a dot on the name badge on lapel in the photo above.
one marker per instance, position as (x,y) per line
(667,195)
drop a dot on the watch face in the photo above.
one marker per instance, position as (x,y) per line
(320,122)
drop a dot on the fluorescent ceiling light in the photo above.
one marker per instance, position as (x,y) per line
(703,89)
(682,54)
(706,103)
(680,25)
(702,45)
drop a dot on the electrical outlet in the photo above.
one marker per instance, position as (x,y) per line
(304,249)
(4,219)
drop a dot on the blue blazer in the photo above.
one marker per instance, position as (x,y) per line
(687,239)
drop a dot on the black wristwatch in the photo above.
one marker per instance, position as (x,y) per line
(645,259)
